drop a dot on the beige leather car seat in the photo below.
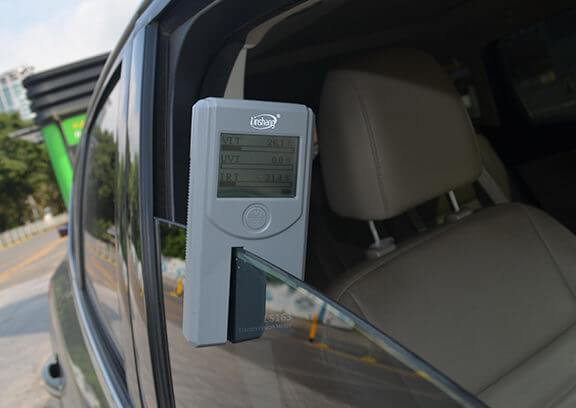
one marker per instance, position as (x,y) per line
(491,299)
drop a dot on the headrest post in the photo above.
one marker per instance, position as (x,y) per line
(374,232)
(459,213)
(381,246)
(453,201)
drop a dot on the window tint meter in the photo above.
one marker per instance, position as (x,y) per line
(258,165)
(250,165)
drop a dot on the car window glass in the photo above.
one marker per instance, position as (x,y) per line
(541,65)
(309,352)
(98,219)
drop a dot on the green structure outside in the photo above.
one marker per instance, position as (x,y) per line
(60,98)
(72,128)
(61,142)
(60,149)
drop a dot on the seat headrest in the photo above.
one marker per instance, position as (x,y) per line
(394,134)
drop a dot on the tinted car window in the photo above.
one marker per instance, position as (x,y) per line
(99,221)
(306,351)
(542,66)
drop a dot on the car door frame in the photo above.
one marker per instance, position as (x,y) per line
(168,28)
(120,388)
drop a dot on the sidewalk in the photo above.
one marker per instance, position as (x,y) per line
(21,234)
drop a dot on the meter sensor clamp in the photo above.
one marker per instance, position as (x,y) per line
(250,166)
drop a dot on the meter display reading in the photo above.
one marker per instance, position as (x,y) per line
(257,165)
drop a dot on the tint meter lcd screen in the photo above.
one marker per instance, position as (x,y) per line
(257,165)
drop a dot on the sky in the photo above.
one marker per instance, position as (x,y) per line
(49,33)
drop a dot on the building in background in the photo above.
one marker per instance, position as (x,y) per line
(12,94)
(60,99)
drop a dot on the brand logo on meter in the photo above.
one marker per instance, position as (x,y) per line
(264,121)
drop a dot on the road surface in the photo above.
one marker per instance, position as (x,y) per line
(25,271)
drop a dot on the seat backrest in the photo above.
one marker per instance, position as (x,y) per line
(482,300)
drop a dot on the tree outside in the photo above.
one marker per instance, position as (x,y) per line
(27,183)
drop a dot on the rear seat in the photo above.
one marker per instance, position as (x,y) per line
(491,299)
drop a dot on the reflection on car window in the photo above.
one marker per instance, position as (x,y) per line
(98,218)
(542,66)
(464,82)
(308,351)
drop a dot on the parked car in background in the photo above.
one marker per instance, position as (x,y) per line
(441,250)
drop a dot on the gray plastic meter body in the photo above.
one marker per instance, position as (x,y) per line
(250,165)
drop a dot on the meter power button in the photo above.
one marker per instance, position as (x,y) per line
(256,217)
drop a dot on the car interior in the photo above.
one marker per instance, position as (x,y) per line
(442,207)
